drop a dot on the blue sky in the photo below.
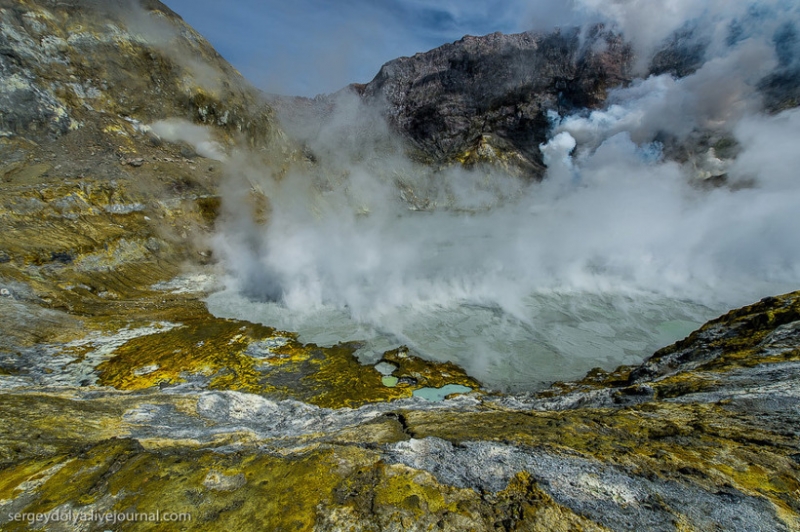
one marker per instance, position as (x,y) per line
(307,47)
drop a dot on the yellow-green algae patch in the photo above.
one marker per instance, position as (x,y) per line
(210,347)
(340,379)
(412,490)
(269,493)
(217,491)
(28,475)
(383,429)
(426,374)
(337,379)
(536,510)
(221,350)
(243,356)
(398,497)
(47,424)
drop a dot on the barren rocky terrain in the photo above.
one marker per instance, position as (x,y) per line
(121,393)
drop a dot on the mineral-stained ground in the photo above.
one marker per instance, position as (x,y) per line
(121,393)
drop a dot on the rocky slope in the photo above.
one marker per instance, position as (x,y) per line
(121,393)
(111,65)
(87,186)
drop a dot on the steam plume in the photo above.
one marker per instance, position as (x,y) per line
(618,216)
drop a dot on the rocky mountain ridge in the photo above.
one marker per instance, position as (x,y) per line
(464,100)
(492,100)
(484,99)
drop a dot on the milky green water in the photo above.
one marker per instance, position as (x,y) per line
(560,336)
(438,394)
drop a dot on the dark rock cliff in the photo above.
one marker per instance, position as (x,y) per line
(496,90)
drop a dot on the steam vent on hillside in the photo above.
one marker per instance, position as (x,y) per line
(541,277)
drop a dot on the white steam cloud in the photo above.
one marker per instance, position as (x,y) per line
(492,267)
(198,137)
(647,24)
(714,98)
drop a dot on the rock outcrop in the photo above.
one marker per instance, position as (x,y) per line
(481,99)
(484,99)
